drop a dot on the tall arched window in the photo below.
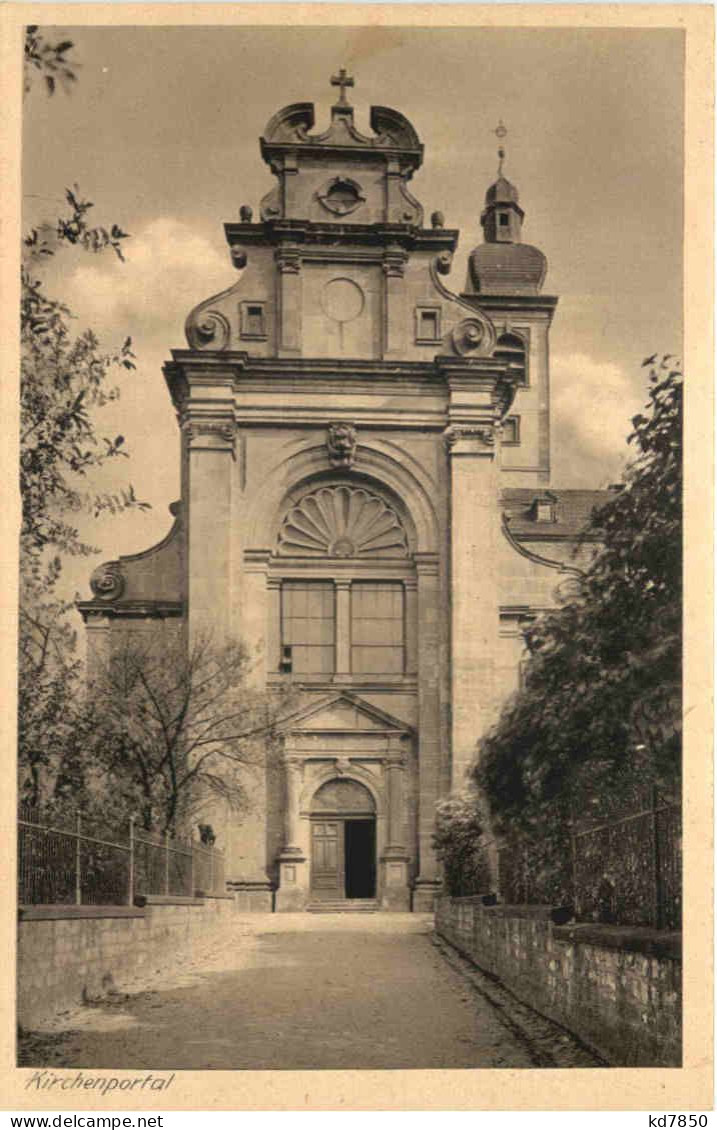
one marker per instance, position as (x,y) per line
(346,586)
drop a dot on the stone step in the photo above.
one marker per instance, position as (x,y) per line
(343,906)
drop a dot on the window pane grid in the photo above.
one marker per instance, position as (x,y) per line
(307,626)
(377,629)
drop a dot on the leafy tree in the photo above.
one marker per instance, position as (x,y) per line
(65,378)
(178,726)
(50,59)
(600,708)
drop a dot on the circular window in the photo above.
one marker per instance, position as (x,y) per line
(342,300)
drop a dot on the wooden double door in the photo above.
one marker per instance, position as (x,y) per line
(343,858)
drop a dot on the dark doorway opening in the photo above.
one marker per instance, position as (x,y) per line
(360,858)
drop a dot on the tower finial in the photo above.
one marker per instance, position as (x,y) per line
(500,132)
(342,80)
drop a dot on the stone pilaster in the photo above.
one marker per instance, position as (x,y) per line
(288,282)
(395,766)
(410,590)
(475,529)
(293,890)
(273,625)
(394,303)
(249,871)
(210,438)
(257,604)
(395,894)
(429,747)
(342,591)
(97,627)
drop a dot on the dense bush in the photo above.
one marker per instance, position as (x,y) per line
(458,844)
(597,722)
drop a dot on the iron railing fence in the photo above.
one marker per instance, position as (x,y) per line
(63,865)
(624,869)
(629,870)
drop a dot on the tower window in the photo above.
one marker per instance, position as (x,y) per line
(307,627)
(512,348)
(511,431)
(503,219)
(543,508)
(428,324)
(253,320)
(377,628)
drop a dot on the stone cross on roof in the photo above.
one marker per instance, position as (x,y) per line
(500,133)
(342,80)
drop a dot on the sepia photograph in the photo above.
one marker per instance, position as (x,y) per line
(350,618)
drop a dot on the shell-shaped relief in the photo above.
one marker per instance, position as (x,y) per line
(342,522)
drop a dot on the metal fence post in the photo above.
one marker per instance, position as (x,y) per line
(166,862)
(78,859)
(656,877)
(191,869)
(211,871)
(130,884)
(574,862)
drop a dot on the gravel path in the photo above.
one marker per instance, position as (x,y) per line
(296,992)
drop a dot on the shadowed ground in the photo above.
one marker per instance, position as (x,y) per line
(293,992)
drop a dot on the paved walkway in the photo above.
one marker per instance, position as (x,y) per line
(293,992)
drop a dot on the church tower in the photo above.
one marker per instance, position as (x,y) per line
(363,454)
(505,276)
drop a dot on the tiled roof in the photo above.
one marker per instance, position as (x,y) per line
(507,268)
(572,509)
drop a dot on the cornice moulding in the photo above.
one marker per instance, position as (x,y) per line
(304,234)
(525,303)
(131,608)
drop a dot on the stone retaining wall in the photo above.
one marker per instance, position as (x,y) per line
(618,989)
(70,954)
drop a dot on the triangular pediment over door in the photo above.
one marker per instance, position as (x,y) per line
(344,713)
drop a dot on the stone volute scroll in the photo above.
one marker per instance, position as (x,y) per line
(107,581)
(474,336)
(207,327)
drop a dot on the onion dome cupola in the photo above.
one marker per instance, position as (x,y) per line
(502,264)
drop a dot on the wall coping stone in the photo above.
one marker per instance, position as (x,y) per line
(168,900)
(475,900)
(248,884)
(58,910)
(523,910)
(634,939)
(501,910)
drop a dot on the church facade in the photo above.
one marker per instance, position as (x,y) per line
(366,503)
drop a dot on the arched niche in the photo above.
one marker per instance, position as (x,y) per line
(403,486)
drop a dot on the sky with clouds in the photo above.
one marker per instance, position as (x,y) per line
(162,128)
